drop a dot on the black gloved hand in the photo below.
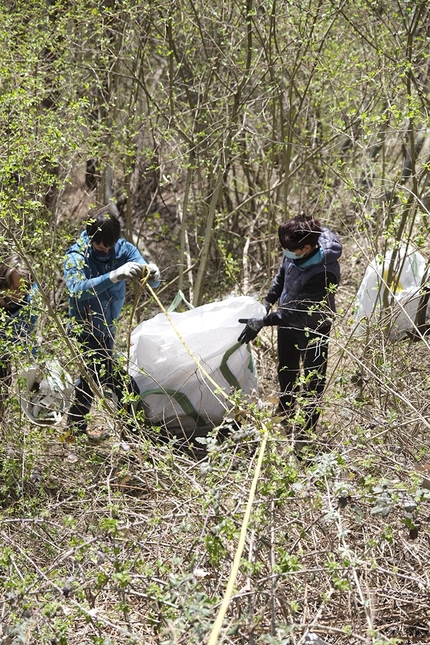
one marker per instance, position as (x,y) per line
(253,326)
(267,305)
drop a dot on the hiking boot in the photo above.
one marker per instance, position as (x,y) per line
(97,436)
(94,438)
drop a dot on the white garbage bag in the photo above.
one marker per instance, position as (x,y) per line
(45,392)
(175,392)
(402,289)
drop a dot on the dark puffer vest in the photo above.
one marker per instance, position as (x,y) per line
(296,297)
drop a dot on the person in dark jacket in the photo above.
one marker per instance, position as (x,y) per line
(305,288)
(96,269)
(17,317)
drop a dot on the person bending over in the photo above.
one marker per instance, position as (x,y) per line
(96,269)
(304,287)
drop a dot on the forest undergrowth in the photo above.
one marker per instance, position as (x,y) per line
(133,542)
(208,124)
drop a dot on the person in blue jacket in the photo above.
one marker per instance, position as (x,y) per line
(304,287)
(96,269)
(18,316)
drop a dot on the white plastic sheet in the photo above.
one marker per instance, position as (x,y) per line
(45,392)
(403,289)
(175,391)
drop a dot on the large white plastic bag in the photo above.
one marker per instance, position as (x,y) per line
(175,392)
(404,291)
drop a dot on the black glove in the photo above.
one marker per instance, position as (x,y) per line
(267,305)
(253,326)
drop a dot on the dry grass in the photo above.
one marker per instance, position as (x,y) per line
(134,543)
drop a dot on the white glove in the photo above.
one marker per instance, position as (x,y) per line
(126,272)
(154,272)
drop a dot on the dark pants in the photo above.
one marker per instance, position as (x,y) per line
(98,358)
(296,348)
(5,380)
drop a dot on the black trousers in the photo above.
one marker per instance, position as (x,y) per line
(297,349)
(98,357)
(5,379)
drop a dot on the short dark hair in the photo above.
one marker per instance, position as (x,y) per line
(103,226)
(299,231)
(9,264)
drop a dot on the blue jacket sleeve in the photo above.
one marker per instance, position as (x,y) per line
(77,282)
(134,255)
(77,272)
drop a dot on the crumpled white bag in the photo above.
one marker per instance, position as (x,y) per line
(174,390)
(45,392)
(404,292)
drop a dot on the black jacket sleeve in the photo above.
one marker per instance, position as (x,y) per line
(305,310)
(276,287)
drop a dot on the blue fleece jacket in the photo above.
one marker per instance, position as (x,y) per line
(94,300)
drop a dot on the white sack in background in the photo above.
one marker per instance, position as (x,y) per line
(173,389)
(45,392)
(404,291)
